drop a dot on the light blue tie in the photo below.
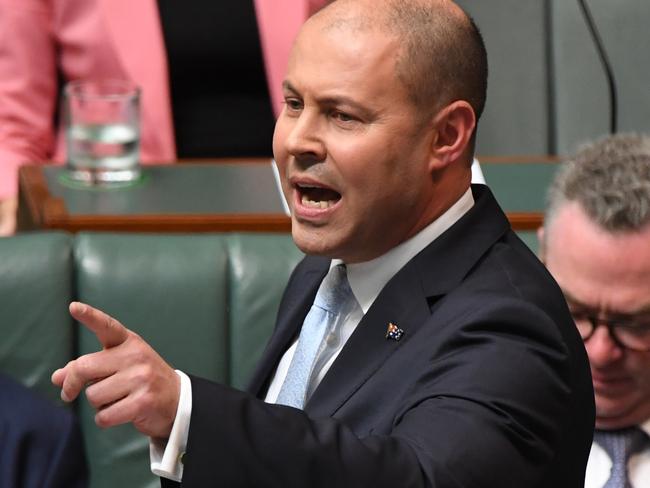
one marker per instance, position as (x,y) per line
(620,445)
(331,298)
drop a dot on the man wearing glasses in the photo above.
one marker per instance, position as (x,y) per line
(596,243)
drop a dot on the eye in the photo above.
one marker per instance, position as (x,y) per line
(293,104)
(344,118)
(632,325)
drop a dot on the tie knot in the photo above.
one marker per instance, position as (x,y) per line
(334,290)
(621,444)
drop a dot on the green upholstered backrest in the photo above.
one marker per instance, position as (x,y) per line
(259,269)
(206,302)
(36,333)
(172,291)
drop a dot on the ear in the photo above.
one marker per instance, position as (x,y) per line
(540,241)
(454,126)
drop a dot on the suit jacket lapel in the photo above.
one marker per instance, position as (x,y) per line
(368,348)
(435,271)
(457,250)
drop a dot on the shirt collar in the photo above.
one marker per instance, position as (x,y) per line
(368,278)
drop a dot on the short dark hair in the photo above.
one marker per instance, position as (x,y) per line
(444,57)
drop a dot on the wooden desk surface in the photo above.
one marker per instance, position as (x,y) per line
(229,196)
(169,198)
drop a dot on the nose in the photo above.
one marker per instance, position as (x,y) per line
(601,348)
(305,138)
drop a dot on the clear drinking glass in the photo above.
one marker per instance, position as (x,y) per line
(102,121)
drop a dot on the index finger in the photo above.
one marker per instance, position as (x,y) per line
(108,330)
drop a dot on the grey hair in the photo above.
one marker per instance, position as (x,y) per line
(610,180)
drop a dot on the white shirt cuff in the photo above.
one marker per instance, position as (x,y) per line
(166,454)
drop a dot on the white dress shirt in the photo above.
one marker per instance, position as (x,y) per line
(600,464)
(366,281)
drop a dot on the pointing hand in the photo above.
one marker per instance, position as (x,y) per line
(127,381)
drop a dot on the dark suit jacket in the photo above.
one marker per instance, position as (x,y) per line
(40,444)
(488,387)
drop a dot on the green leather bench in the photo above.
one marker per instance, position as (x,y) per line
(206,302)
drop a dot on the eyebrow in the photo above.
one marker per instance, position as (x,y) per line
(286,85)
(333,101)
(643,310)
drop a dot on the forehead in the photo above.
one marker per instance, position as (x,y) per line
(599,268)
(345,55)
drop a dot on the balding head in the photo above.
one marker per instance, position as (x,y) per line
(442,56)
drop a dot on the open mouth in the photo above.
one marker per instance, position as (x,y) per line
(317,197)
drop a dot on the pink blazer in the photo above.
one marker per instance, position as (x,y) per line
(87,39)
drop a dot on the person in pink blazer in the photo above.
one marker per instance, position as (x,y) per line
(91,39)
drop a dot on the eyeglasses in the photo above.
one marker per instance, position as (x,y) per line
(628,332)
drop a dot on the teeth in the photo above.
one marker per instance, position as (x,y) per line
(323,204)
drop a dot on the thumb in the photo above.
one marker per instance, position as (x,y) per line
(108,330)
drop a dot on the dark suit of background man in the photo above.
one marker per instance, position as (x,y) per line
(40,444)
(596,242)
(482,381)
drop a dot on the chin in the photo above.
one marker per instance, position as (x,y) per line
(617,415)
(608,408)
(312,242)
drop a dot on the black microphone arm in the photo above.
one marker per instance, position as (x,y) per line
(611,82)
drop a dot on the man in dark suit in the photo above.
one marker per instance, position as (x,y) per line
(596,243)
(40,444)
(446,355)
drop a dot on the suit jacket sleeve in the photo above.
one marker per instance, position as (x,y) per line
(472,417)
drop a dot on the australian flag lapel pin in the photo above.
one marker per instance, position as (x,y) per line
(393,332)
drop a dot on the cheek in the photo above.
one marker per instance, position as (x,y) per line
(368,165)
(640,368)
(383,183)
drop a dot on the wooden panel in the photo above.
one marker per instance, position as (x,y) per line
(520,192)
(39,209)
